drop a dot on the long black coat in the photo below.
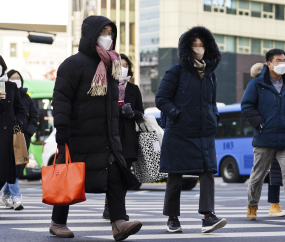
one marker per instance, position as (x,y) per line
(29,123)
(128,132)
(188,145)
(92,122)
(11,113)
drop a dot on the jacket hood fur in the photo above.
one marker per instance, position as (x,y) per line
(184,44)
(256,69)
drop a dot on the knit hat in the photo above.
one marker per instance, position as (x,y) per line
(12,72)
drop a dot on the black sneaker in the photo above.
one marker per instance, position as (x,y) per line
(173,225)
(212,223)
(106,214)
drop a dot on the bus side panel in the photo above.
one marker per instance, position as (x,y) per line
(240,149)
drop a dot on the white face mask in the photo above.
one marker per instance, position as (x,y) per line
(105,41)
(280,69)
(199,51)
(125,71)
(18,82)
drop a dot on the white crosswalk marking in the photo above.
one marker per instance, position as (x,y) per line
(85,219)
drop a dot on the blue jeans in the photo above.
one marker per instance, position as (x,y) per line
(12,189)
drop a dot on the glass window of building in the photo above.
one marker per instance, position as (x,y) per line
(256,9)
(231,6)
(243,41)
(113,4)
(13,50)
(256,46)
(268,44)
(123,4)
(231,44)
(268,7)
(219,38)
(279,45)
(122,33)
(279,12)
(132,5)
(243,4)
(103,4)
(208,5)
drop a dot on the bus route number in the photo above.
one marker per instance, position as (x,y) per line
(228,145)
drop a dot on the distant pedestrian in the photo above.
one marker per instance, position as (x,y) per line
(11,114)
(275,181)
(29,128)
(86,117)
(263,106)
(187,95)
(130,111)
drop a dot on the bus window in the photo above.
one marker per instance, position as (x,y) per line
(247,128)
(229,125)
(45,121)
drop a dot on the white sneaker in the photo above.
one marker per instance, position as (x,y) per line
(17,203)
(7,201)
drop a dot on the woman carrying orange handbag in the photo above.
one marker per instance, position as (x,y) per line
(86,113)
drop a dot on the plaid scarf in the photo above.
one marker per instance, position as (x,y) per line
(200,67)
(108,58)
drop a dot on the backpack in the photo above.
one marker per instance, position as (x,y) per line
(163,117)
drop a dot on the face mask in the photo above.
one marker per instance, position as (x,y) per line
(18,82)
(125,72)
(199,51)
(105,41)
(279,70)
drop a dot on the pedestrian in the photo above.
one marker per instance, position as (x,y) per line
(11,114)
(86,116)
(187,96)
(130,112)
(263,106)
(29,128)
(275,181)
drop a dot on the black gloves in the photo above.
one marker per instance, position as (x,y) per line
(61,136)
(127,111)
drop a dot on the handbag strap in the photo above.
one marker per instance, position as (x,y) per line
(67,155)
(139,124)
(17,129)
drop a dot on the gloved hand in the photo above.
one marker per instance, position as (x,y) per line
(127,110)
(61,136)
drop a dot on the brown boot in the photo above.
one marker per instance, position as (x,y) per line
(60,230)
(251,212)
(123,229)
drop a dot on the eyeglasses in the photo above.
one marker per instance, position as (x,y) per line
(106,33)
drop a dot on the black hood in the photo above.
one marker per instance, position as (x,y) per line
(184,44)
(90,31)
(23,91)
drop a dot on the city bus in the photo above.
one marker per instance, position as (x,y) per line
(41,92)
(233,143)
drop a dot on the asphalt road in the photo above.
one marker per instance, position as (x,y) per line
(31,224)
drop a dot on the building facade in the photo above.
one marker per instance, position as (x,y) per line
(244,30)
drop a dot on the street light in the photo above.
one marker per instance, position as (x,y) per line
(35,38)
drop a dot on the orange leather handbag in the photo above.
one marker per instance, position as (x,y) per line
(63,184)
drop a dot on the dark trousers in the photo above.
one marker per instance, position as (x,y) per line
(173,192)
(2,185)
(115,195)
(273,193)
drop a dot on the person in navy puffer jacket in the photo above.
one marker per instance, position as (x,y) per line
(263,105)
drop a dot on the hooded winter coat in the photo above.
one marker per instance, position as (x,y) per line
(11,113)
(29,123)
(263,105)
(92,122)
(188,145)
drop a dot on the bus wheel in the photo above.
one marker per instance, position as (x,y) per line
(229,170)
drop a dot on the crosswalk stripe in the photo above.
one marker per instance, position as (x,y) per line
(146,228)
(70,214)
(193,236)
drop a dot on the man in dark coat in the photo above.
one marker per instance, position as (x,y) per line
(11,114)
(29,128)
(263,105)
(187,95)
(88,121)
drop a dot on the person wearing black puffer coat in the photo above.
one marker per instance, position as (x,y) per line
(86,116)
(187,95)
(29,127)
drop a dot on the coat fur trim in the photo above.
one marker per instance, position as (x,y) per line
(256,69)
(184,45)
